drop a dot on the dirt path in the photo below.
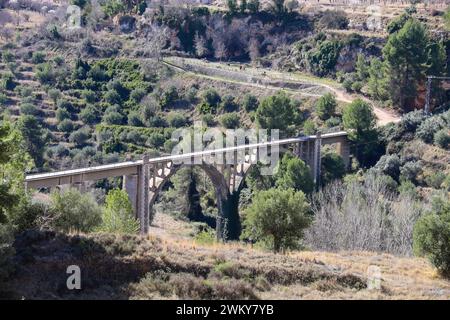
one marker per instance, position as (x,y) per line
(384,116)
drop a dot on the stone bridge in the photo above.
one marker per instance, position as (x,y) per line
(144,179)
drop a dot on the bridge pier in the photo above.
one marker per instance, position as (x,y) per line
(343,149)
(130,185)
(143,204)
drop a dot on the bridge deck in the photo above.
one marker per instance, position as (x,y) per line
(131,167)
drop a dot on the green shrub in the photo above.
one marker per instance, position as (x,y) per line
(7,82)
(156,140)
(277,218)
(435,179)
(66,126)
(176,119)
(228,104)
(230,120)
(250,103)
(211,97)
(208,119)
(428,128)
(326,106)
(90,115)
(38,57)
(79,137)
(62,114)
(113,117)
(169,97)
(118,214)
(72,210)
(432,237)
(134,119)
(410,170)
(205,237)
(29,109)
(309,127)
(333,167)
(442,138)
(3,98)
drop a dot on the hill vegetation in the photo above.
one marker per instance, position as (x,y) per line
(118,83)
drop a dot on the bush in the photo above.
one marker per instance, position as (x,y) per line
(389,165)
(90,115)
(326,106)
(66,126)
(29,109)
(156,140)
(281,229)
(211,97)
(38,57)
(228,104)
(134,119)
(428,128)
(7,82)
(292,172)
(230,120)
(176,119)
(410,170)
(442,138)
(72,210)
(432,237)
(54,95)
(113,117)
(62,114)
(137,95)
(250,103)
(333,167)
(79,137)
(118,214)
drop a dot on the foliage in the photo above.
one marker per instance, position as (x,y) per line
(442,138)
(326,106)
(429,128)
(322,60)
(292,172)
(230,120)
(276,112)
(250,103)
(34,137)
(72,210)
(14,161)
(333,168)
(118,216)
(377,79)
(432,237)
(405,54)
(359,119)
(277,217)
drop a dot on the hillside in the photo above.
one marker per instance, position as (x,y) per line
(168,267)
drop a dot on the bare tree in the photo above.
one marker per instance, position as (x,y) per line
(201,49)
(253,49)
(220,50)
(363,216)
(154,40)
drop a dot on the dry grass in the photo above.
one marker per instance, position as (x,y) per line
(164,266)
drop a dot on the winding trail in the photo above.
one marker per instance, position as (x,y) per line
(262,76)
